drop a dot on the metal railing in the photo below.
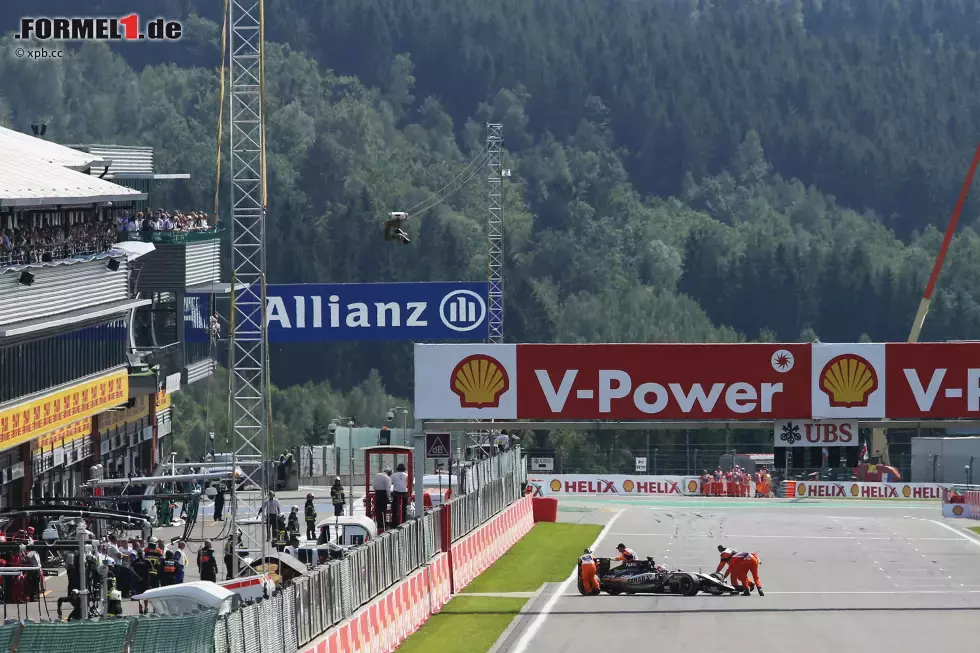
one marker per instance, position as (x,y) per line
(170,237)
(330,593)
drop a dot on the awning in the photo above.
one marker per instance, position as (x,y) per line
(134,248)
(74,317)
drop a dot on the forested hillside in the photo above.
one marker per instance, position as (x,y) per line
(682,171)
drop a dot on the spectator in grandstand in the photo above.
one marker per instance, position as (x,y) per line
(43,242)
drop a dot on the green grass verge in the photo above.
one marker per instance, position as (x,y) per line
(545,555)
(467,624)
(975,529)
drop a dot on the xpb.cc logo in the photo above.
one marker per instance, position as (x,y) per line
(462,310)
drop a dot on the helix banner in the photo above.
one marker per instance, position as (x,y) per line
(382,625)
(653,381)
(863,490)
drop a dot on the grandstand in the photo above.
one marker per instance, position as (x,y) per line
(86,370)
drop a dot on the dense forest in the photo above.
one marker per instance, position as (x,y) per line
(682,170)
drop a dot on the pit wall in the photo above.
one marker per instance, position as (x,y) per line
(569,485)
(382,625)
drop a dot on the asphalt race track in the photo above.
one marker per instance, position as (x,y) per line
(836,578)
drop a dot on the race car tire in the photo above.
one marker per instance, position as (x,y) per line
(687,585)
(596,592)
(581,587)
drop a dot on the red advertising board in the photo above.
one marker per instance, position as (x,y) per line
(663,381)
(933,380)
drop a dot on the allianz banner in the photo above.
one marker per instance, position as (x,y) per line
(351,312)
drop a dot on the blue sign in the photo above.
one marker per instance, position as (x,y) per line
(318,312)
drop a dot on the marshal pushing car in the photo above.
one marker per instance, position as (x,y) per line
(647,577)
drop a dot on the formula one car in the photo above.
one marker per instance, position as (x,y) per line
(647,577)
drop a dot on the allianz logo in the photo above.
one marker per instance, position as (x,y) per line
(460,310)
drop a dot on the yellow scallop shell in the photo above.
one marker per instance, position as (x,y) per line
(479,380)
(555,485)
(848,380)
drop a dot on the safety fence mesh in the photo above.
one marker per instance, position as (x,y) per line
(191,633)
(74,637)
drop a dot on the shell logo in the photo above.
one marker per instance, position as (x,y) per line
(855,490)
(692,486)
(906,491)
(628,485)
(801,489)
(848,380)
(957,510)
(555,485)
(478,381)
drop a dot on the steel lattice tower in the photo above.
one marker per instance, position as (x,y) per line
(248,338)
(495,233)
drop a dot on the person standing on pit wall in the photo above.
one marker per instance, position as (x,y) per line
(382,490)
(271,509)
(154,557)
(206,563)
(219,501)
(180,558)
(309,513)
(293,525)
(338,497)
(399,487)
(168,570)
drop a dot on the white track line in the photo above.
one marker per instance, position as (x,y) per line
(830,593)
(532,630)
(798,537)
(971,540)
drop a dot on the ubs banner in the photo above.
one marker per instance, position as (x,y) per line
(350,312)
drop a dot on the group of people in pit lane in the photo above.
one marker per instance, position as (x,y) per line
(736,483)
(740,565)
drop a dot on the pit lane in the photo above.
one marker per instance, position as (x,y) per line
(835,578)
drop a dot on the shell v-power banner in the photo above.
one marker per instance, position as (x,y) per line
(778,382)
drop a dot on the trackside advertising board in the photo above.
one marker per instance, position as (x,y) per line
(842,383)
(351,312)
(556,485)
(859,490)
(569,485)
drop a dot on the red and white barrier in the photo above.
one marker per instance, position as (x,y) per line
(964,505)
(474,554)
(382,625)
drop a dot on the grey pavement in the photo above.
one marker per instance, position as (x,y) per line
(838,576)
